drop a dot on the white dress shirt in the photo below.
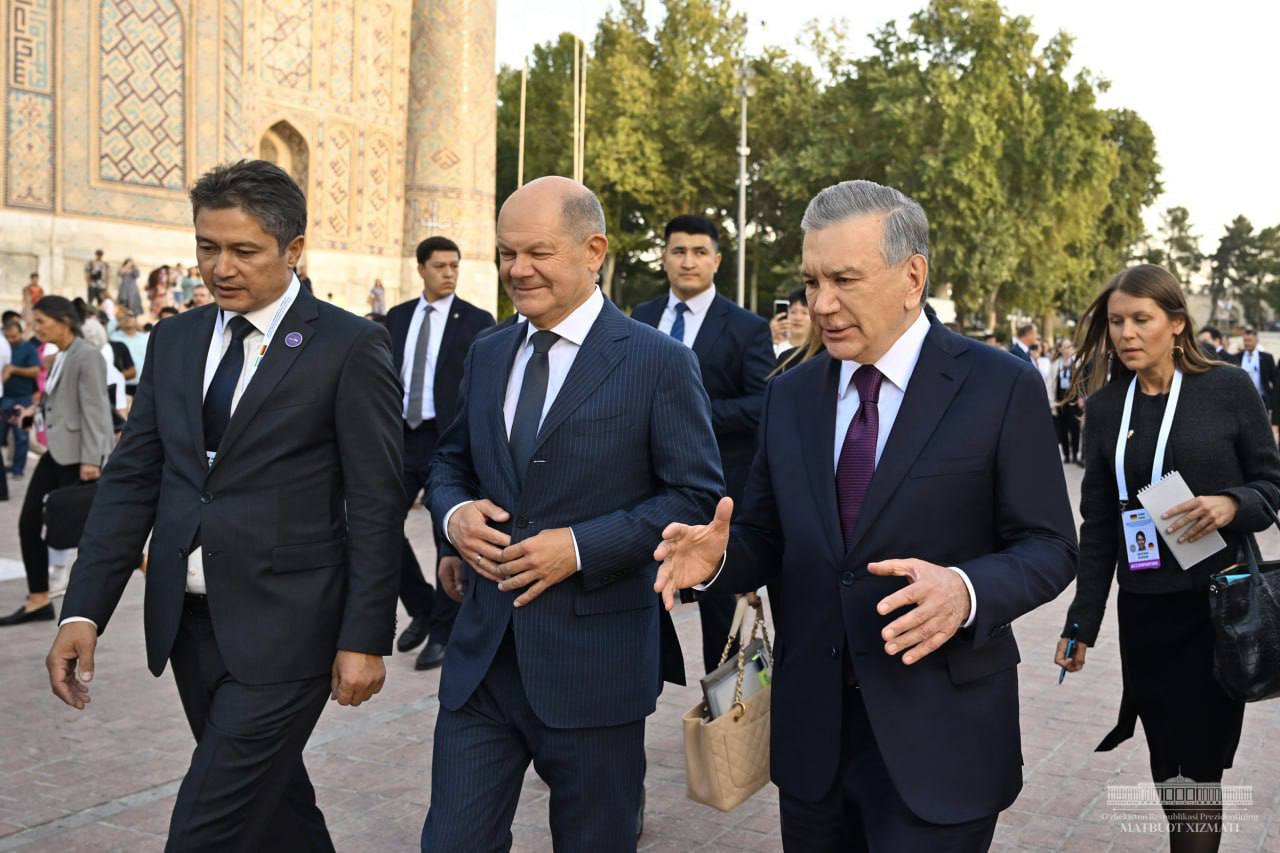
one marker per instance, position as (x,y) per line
(440,309)
(572,331)
(256,340)
(896,366)
(698,307)
(1252,365)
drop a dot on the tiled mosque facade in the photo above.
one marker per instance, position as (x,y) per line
(383,110)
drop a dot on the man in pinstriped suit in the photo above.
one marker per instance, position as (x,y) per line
(579,435)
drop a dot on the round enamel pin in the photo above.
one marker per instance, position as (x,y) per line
(293,339)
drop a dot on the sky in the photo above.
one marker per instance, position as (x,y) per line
(1203,75)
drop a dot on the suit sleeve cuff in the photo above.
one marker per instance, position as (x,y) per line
(703,587)
(577,555)
(448,515)
(71,619)
(973,599)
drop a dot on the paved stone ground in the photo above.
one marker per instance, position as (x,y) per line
(105,779)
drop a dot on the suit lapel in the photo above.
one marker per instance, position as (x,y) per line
(712,326)
(275,364)
(817,436)
(193,377)
(937,377)
(595,360)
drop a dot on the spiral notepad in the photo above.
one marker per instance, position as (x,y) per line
(1161,496)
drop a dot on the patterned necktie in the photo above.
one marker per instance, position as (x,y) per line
(677,328)
(418,378)
(533,395)
(858,455)
(222,390)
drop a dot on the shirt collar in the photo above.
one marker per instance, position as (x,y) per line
(574,328)
(440,306)
(697,304)
(261,317)
(1020,345)
(898,363)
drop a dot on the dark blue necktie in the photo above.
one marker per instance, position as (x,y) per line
(677,328)
(533,395)
(222,390)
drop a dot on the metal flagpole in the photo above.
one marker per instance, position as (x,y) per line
(575,107)
(524,81)
(582,123)
(743,151)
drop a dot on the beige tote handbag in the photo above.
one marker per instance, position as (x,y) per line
(727,759)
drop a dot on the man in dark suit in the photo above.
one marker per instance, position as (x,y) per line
(263,450)
(579,433)
(906,505)
(1261,366)
(1027,337)
(430,336)
(735,355)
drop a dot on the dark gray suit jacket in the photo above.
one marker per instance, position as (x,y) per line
(625,449)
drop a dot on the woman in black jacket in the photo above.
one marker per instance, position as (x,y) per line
(1136,335)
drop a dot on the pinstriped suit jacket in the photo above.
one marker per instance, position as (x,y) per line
(626,448)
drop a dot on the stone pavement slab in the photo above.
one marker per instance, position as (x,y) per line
(106,779)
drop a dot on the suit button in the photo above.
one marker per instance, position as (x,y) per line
(206,498)
(847,579)
(209,555)
(182,553)
(835,652)
(522,521)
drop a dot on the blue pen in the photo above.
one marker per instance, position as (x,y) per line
(1071,648)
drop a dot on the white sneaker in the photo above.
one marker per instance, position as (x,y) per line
(58,578)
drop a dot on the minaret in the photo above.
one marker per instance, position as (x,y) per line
(451,148)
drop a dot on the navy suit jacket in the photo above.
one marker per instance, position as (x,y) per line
(970,477)
(1019,352)
(464,322)
(626,448)
(735,355)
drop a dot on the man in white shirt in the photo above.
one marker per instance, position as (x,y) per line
(1261,366)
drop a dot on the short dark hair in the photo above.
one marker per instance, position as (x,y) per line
(261,189)
(690,223)
(1024,328)
(34,275)
(1251,331)
(62,309)
(97,253)
(168,311)
(797,295)
(431,245)
(10,315)
(1214,334)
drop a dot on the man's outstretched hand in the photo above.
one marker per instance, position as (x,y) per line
(692,553)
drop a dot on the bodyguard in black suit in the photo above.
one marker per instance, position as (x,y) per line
(430,337)
(1026,338)
(579,434)
(905,506)
(735,356)
(263,450)
(1261,367)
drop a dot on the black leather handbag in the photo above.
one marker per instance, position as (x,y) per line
(65,512)
(1246,624)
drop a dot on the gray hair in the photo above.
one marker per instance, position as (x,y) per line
(582,213)
(906,228)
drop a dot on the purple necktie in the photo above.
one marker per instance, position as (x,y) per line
(858,455)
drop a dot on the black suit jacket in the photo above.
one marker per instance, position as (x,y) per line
(970,477)
(626,448)
(1266,372)
(735,357)
(299,519)
(465,321)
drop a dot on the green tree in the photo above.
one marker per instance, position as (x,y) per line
(1231,265)
(1180,248)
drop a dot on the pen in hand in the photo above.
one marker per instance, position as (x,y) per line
(1071,648)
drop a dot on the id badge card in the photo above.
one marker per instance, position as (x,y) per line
(1141,542)
(38,421)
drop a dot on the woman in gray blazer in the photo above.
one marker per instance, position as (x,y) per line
(77,421)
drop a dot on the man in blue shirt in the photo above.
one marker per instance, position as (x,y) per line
(19,388)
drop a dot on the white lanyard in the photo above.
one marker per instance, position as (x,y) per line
(1166,426)
(55,372)
(266,337)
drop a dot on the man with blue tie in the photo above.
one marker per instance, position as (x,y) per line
(735,357)
(905,506)
(579,434)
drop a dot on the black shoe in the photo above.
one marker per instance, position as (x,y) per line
(431,656)
(640,816)
(412,637)
(22,615)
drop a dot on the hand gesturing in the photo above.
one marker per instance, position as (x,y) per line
(692,553)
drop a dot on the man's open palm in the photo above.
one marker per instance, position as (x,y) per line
(691,553)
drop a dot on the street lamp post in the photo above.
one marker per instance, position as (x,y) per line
(744,91)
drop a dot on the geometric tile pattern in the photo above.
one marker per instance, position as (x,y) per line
(234,139)
(339,155)
(379,53)
(377,174)
(142,118)
(341,51)
(29,165)
(31,45)
(286,42)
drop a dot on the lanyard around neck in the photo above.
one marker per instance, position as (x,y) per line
(270,332)
(1166,426)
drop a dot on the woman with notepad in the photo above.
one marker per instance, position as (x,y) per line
(1178,457)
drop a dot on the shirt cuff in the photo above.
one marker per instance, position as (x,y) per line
(703,587)
(577,555)
(71,619)
(973,599)
(448,515)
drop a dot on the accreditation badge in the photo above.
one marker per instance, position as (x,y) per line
(1141,542)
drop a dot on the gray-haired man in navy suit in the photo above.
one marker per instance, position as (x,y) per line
(579,434)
